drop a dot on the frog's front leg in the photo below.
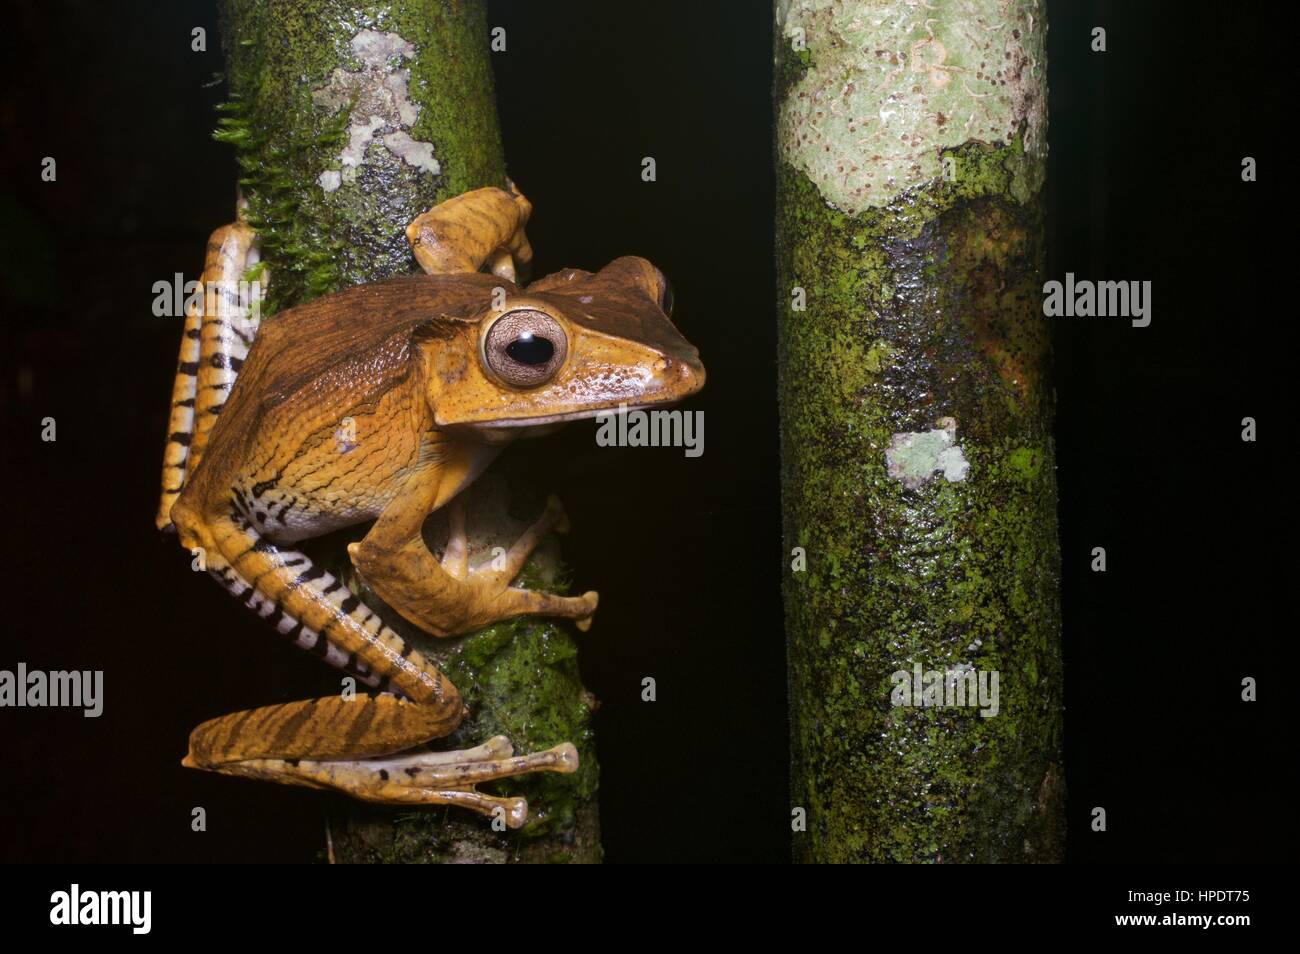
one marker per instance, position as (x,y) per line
(448,597)
(462,234)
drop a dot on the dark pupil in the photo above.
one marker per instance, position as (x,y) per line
(530,349)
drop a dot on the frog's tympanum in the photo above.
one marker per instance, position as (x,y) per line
(383,402)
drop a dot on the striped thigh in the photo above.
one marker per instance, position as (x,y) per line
(311,606)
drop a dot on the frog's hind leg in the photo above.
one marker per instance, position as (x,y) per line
(301,636)
(215,341)
(350,744)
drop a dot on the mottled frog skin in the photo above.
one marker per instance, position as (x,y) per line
(382,403)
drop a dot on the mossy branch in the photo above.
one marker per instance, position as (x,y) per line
(349,118)
(917,464)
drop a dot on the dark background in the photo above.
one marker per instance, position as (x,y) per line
(1146,142)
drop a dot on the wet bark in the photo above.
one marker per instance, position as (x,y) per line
(349,118)
(918,482)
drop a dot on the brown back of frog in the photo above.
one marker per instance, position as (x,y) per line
(311,363)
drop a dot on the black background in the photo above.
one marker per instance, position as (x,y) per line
(1144,183)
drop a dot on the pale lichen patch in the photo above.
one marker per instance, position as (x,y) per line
(888,89)
(914,457)
(374,49)
(416,153)
(380,108)
(359,136)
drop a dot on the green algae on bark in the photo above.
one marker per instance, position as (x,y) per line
(349,118)
(916,413)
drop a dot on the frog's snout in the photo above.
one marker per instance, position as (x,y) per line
(681,375)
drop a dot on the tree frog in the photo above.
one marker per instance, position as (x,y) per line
(383,402)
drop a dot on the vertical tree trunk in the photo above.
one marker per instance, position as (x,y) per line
(916,417)
(350,117)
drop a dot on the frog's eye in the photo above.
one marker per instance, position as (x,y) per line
(524,348)
(665,294)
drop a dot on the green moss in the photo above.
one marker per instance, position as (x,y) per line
(1025,462)
(923,309)
(461,117)
(523,683)
(877,356)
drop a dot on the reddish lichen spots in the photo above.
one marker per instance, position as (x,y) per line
(937,56)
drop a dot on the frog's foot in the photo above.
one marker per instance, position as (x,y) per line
(448,597)
(448,778)
(422,777)
(496,575)
(340,744)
